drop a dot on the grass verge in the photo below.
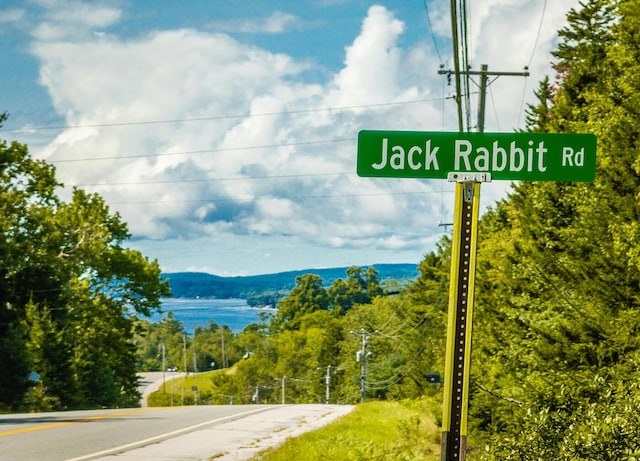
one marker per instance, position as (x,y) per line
(181,390)
(389,431)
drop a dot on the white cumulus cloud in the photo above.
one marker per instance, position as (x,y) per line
(190,134)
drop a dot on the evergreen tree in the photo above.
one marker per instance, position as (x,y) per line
(555,335)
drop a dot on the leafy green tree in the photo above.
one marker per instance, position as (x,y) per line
(218,345)
(380,328)
(70,291)
(360,287)
(423,311)
(306,297)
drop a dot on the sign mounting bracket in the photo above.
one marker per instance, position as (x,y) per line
(456,176)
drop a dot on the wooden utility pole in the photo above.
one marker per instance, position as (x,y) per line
(484,83)
(361,357)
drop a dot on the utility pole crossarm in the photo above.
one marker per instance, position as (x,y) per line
(524,73)
(484,74)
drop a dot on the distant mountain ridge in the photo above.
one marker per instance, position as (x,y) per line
(266,286)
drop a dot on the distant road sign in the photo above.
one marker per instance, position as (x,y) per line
(508,156)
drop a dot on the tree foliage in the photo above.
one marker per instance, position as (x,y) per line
(556,342)
(556,347)
(310,345)
(70,292)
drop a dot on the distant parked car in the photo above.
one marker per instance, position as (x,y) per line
(172,369)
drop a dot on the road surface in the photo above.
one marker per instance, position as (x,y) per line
(220,432)
(152,381)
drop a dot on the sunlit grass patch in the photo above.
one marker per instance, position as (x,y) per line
(390,431)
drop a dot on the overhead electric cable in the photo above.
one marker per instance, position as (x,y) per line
(204,151)
(196,180)
(292,197)
(533,53)
(495,109)
(433,37)
(219,117)
(535,44)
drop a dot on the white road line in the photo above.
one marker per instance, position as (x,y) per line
(168,435)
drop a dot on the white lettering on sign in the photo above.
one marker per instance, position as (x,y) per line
(571,158)
(415,157)
(498,158)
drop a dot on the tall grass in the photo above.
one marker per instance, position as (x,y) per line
(385,431)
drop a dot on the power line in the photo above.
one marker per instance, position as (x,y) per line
(291,197)
(495,109)
(201,180)
(220,117)
(465,62)
(206,151)
(533,52)
(535,44)
(433,37)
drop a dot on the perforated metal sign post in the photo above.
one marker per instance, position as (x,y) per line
(458,351)
(469,159)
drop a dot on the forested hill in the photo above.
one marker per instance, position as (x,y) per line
(203,285)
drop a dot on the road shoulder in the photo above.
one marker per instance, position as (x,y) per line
(240,438)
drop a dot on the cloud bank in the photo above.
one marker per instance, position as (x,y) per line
(197,135)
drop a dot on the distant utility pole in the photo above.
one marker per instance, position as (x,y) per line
(184,352)
(224,354)
(327,380)
(361,356)
(164,367)
(283,384)
(195,373)
(458,355)
(195,366)
(483,85)
(445,225)
(184,364)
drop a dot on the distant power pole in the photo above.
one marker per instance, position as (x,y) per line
(327,380)
(195,373)
(164,367)
(361,357)
(184,353)
(283,381)
(224,354)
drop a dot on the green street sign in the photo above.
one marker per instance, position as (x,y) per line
(508,156)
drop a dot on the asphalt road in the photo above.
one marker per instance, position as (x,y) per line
(152,381)
(228,432)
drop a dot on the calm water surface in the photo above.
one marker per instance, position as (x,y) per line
(235,313)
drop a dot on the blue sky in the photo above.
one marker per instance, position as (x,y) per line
(224,131)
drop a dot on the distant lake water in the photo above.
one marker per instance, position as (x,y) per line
(235,313)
